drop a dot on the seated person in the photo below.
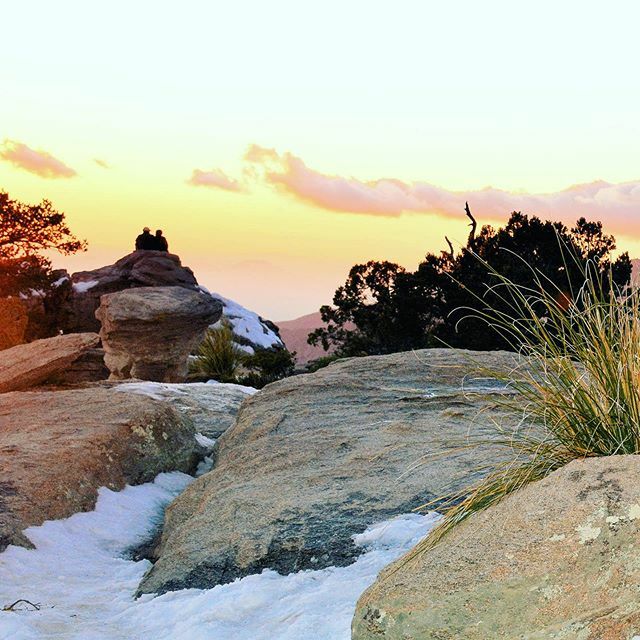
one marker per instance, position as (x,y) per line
(161,241)
(145,240)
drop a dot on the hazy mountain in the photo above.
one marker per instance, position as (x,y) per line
(294,334)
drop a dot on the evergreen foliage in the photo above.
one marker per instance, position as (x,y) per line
(382,308)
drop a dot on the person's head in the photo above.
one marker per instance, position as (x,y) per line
(146,230)
(158,232)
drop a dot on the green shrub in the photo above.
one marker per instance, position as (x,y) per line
(268,365)
(576,384)
(219,357)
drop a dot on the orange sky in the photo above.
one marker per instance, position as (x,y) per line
(277,147)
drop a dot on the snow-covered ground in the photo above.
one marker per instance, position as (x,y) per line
(80,577)
(246,324)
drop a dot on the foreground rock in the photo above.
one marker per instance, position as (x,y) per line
(58,448)
(212,407)
(27,365)
(148,333)
(314,459)
(559,559)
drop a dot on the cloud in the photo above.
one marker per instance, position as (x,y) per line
(216,178)
(102,163)
(616,205)
(256,153)
(40,163)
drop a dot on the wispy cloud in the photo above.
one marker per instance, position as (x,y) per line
(215,178)
(102,163)
(617,205)
(39,162)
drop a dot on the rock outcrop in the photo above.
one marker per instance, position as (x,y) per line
(137,269)
(58,448)
(148,333)
(316,458)
(27,365)
(559,559)
(212,407)
(13,322)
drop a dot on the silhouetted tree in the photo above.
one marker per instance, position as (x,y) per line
(26,231)
(381,308)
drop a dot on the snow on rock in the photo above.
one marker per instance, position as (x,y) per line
(248,327)
(83,287)
(211,407)
(83,581)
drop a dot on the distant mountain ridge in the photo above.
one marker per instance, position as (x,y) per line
(294,335)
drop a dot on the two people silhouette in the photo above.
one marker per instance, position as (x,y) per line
(146,242)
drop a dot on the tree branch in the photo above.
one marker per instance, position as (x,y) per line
(451,252)
(473,225)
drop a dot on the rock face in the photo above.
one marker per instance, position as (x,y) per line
(77,297)
(89,367)
(559,559)
(211,407)
(138,269)
(316,458)
(57,449)
(13,322)
(148,333)
(27,365)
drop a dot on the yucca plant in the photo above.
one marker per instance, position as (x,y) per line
(219,357)
(575,384)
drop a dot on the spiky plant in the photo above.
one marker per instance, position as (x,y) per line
(219,357)
(576,383)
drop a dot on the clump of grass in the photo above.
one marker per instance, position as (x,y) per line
(576,383)
(219,357)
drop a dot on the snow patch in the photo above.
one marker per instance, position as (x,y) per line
(249,390)
(246,324)
(205,442)
(84,582)
(83,287)
(168,390)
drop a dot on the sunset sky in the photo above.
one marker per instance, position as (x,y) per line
(278,143)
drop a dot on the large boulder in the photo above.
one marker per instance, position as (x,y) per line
(559,559)
(315,459)
(137,269)
(78,296)
(27,365)
(148,333)
(57,449)
(13,322)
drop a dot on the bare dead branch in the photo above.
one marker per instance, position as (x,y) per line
(12,607)
(473,224)
(451,252)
